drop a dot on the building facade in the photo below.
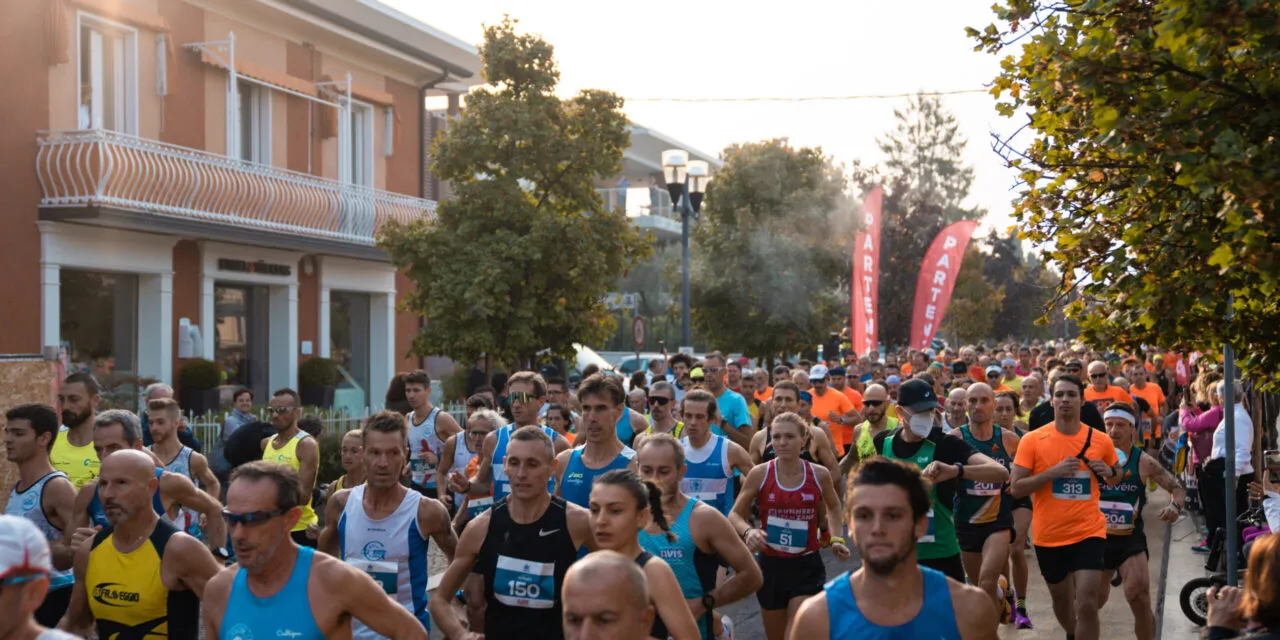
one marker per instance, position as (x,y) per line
(206,178)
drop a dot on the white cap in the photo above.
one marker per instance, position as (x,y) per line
(23,548)
(818,372)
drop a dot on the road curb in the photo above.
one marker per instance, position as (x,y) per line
(1164,574)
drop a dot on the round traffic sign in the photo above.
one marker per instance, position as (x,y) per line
(637,331)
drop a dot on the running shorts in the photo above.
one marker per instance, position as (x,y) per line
(1056,563)
(973,536)
(789,577)
(1121,548)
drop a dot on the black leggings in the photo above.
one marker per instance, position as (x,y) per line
(1213,496)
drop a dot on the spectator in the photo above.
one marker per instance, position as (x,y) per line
(1214,486)
(396,400)
(241,406)
(1233,609)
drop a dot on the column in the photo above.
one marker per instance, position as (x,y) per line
(50,304)
(283,336)
(382,345)
(207,335)
(322,333)
(155,326)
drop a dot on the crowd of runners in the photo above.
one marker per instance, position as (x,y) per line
(619,509)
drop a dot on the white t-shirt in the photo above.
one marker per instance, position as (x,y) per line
(54,634)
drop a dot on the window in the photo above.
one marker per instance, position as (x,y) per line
(108,76)
(361,144)
(255,122)
(99,329)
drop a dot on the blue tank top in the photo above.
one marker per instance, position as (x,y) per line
(575,485)
(501,486)
(937,617)
(98,516)
(678,554)
(287,614)
(710,479)
(625,433)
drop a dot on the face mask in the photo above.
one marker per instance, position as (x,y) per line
(921,424)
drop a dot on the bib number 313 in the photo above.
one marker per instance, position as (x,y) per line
(1073,487)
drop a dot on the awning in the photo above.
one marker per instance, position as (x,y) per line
(265,74)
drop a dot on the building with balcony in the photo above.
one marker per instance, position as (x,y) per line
(220,169)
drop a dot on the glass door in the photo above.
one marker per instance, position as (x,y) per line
(349,347)
(240,327)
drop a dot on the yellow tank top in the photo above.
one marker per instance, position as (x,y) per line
(288,454)
(79,463)
(127,596)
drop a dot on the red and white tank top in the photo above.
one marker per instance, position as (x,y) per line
(790,514)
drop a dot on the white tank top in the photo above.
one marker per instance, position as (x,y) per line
(462,456)
(391,550)
(421,438)
(29,504)
(187,520)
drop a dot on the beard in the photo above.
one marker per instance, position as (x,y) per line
(885,565)
(71,419)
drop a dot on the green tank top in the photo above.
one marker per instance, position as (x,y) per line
(1122,502)
(940,540)
(984,502)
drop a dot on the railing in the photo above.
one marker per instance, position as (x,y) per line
(108,168)
(656,202)
(208,427)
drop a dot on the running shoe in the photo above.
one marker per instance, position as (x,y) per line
(1020,619)
(727,634)
(1006,611)
(1203,547)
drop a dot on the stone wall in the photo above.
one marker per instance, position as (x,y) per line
(22,381)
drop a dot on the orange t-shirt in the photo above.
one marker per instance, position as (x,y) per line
(835,401)
(1152,394)
(1103,399)
(766,395)
(977,374)
(854,397)
(906,369)
(1064,513)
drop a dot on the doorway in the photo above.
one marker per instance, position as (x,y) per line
(349,347)
(240,341)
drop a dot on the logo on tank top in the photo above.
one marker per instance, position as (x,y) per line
(375,551)
(672,554)
(807,497)
(29,503)
(109,594)
(240,632)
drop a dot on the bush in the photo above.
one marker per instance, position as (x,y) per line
(318,372)
(330,467)
(200,374)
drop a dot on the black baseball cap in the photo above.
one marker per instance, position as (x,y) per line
(917,396)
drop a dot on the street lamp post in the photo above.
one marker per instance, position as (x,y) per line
(685,178)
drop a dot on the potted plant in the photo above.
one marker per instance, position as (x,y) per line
(317,380)
(198,386)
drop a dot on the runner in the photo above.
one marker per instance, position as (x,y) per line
(804,409)
(118,430)
(296,449)
(764,386)
(1101,392)
(522,547)
(834,408)
(180,459)
(840,382)
(662,409)
(942,461)
(1122,504)
(559,418)
(429,427)
(279,589)
(875,411)
(461,452)
(1007,409)
(25,568)
(735,420)
(817,447)
(527,391)
(384,527)
(712,459)
(956,414)
(73,452)
(703,537)
(602,400)
(892,595)
(681,365)
(352,464)
(748,393)
(606,596)
(1154,396)
(622,505)
(792,495)
(983,510)
(1058,464)
(44,496)
(146,577)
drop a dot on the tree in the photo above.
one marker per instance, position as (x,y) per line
(1151,169)
(1028,289)
(774,238)
(926,184)
(490,272)
(974,302)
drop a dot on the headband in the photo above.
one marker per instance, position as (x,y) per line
(1120,413)
(806,396)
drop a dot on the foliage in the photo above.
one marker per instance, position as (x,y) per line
(330,463)
(974,302)
(1029,288)
(1152,165)
(318,372)
(453,386)
(776,229)
(926,183)
(520,259)
(199,374)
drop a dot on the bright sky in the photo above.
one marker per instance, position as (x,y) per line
(722,49)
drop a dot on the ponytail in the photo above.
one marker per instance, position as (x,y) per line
(655,510)
(647,495)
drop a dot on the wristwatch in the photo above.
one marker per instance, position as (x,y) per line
(959,469)
(708,602)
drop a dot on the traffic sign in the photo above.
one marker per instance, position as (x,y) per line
(637,331)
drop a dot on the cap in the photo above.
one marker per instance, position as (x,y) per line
(893,380)
(935,365)
(995,368)
(836,371)
(917,396)
(743,361)
(25,549)
(1009,362)
(1157,357)
(696,373)
(818,372)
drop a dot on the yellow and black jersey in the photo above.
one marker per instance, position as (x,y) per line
(127,596)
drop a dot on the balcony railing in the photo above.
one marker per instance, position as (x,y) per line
(111,169)
(643,202)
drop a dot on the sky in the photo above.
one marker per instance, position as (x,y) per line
(745,49)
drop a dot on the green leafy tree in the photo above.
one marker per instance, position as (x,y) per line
(774,239)
(974,301)
(490,272)
(1028,286)
(927,183)
(1150,168)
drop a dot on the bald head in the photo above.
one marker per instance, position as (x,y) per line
(875,401)
(126,485)
(875,392)
(130,463)
(957,408)
(606,597)
(981,401)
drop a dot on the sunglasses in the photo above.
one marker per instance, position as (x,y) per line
(1095,376)
(251,519)
(523,396)
(712,370)
(872,403)
(993,375)
(659,400)
(697,378)
(279,410)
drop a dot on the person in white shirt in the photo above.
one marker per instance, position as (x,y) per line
(1215,469)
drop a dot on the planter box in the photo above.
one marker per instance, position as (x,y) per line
(199,401)
(321,397)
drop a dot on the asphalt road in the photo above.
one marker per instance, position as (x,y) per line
(746,613)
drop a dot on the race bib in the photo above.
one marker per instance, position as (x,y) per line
(984,488)
(1073,487)
(421,471)
(704,489)
(1120,516)
(477,506)
(787,536)
(520,583)
(386,574)
(928,535)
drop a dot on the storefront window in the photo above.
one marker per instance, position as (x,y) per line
(99,328)
(349,347)
(240,327)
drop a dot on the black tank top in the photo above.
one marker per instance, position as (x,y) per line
(659,630)
(523,567)
(768,453)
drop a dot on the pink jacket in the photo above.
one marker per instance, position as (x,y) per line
(1200,427)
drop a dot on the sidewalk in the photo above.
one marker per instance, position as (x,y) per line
(1183,565)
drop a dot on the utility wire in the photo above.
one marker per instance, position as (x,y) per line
(882,96)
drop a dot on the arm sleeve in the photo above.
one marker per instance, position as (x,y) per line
(1203,422)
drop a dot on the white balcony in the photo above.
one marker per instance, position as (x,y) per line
(648,208)
(106,170)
